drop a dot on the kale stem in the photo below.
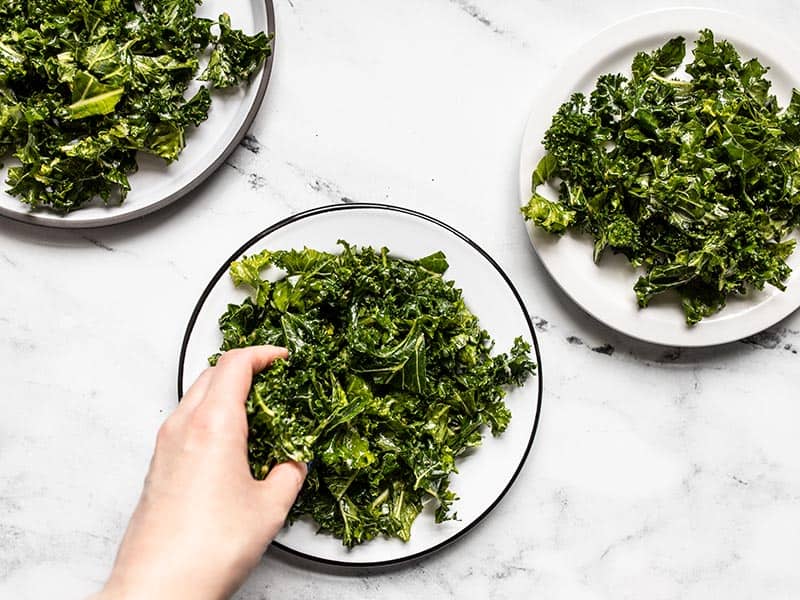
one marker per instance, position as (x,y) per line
(380,499)
(672,82)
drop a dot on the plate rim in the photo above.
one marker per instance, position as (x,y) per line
(213,167)
(570,65)
(368,206)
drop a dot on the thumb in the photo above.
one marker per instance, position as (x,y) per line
(281,486)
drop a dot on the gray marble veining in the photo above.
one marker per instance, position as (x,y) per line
(657,473)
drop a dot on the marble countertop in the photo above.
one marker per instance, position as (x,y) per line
(656,473)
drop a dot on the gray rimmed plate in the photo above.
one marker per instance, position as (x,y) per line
(156,184)
(605,291)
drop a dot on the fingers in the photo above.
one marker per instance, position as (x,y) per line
(282,485)
(195,394)
(233,376)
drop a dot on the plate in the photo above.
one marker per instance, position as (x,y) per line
(157,184)
(605,291)
(484,476)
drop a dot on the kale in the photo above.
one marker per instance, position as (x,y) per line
(389,379)
(697,180)
(86,85)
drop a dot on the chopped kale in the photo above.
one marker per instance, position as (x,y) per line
(696,180)
(389,379)
(85,85)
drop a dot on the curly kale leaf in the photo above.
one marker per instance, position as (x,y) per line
(235,56)
(84,86)
(389,379)
(696,180)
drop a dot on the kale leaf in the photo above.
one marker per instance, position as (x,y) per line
(389,379)
(84,86)
(696,180)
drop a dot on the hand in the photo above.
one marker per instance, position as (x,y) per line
(203,522)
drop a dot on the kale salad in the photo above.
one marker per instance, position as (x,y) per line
(85,85)
(694,178)
(390,378)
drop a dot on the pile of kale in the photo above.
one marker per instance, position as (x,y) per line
(389,378)
(696,180)
(84,85)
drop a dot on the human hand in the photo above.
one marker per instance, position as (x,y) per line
(203,522)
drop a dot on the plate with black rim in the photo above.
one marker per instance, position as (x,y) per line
(605,290)
(156,184)
(485,475)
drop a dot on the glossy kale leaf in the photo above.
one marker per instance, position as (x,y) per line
(389,379)
(235,55)
(84,86)
(696,179)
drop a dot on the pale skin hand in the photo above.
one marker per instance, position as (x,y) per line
(203,522)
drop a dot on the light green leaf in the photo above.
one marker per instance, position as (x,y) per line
(91,98)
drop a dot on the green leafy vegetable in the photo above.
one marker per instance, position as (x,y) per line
(389,379)
(90,97)
(232,57)
(696,180)
(84,86)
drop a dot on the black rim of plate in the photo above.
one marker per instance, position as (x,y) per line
(30,218)
(384,207)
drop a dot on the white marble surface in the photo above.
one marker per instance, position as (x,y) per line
(656,473)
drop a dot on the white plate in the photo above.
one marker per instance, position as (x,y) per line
(157,184)
(606,290)
(485,475)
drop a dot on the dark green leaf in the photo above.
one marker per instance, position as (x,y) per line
(235,56)
(669,57)
(696,180)
(84,86)
(389,379)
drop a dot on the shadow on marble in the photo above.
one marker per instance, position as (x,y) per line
(304,564)
(104,237)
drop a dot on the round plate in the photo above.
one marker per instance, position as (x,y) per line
(485,475)
(606,290)
(157,184)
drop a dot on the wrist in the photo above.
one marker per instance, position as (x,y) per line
(138,587)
